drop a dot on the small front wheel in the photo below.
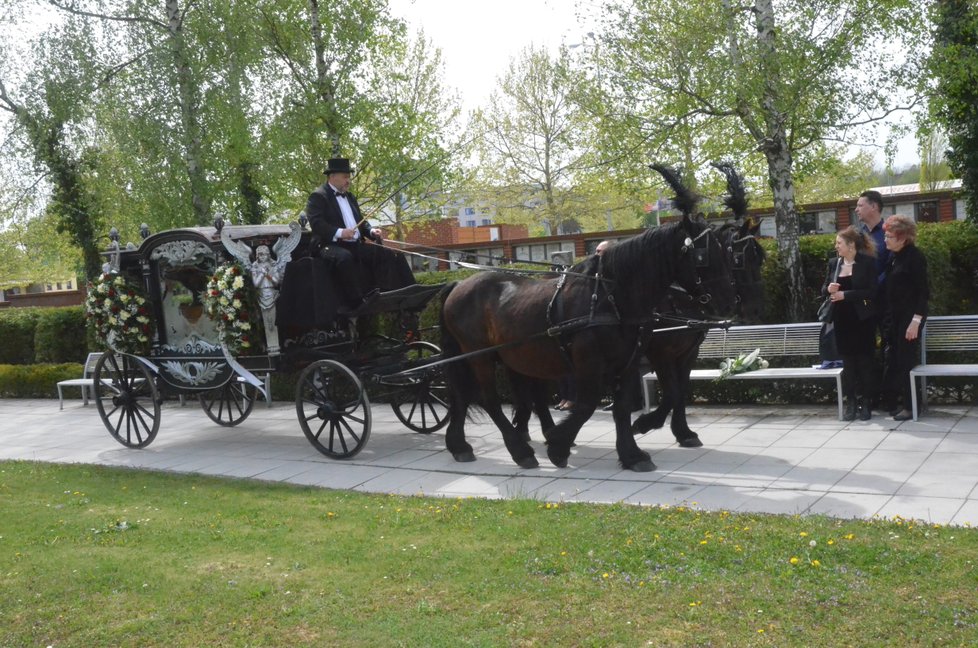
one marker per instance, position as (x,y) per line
(127,400)
(333,409)
(231,404)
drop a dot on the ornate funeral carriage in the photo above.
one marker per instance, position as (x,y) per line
(213,312)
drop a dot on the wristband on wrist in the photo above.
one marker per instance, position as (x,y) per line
(917,319)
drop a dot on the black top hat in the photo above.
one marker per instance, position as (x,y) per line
(337,165)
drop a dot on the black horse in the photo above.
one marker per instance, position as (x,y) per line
(673,346)
(672,354)
(592,324)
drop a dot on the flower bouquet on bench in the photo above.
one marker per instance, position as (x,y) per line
(743,363)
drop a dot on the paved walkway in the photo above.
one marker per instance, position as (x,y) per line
(760,459)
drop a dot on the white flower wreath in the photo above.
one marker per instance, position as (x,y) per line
(229,302)
(117,309)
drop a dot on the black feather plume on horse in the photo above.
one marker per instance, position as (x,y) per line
(686,199)
(736,198)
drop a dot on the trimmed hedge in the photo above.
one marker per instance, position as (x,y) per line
(37,380)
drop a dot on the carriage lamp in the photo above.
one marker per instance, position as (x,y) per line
(114,235)
(219,223)
(144,231)
(303,219)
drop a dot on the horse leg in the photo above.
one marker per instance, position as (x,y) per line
(519,449)
(630,455)
(455,441)
(657,418)
(680,428)
(530,395)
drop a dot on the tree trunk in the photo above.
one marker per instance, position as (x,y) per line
(777,151)
(324,86)
(189,119)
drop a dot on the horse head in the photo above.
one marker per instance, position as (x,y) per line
(708,279)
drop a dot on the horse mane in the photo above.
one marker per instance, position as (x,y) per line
(736,198)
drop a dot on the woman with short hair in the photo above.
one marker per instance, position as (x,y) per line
(907,293)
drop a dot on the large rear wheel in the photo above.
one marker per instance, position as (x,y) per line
(333,409)
(421,403)
(127,400)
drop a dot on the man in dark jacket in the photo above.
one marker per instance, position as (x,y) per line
(339,232)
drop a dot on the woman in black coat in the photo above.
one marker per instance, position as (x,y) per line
(907,293)
(851,285)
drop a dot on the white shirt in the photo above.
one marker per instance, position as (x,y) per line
(349,220)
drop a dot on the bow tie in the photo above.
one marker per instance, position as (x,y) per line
(340,194)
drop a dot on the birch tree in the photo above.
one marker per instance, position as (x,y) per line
(781,75)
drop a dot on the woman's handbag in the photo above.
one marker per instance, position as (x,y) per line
(825,310)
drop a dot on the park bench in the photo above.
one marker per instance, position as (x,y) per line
(86,382)
(951,334)
(774,341)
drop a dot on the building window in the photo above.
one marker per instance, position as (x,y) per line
(470,223)
(926,212)
(808,223)
(68,286)
(469,211)
(487,221)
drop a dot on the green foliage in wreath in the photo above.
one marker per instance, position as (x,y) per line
(230,301)
(119,313)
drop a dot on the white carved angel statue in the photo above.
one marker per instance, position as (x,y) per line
(266,273)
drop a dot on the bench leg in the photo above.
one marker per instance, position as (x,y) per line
(61,399)
(648,392)
(913,394)
(838,393)
(268,390)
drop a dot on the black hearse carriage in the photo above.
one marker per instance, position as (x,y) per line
(212,312)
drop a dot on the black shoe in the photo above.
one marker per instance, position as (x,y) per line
(850,412)
(903,415)
(865,413)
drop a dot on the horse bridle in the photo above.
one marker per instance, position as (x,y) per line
(701,259)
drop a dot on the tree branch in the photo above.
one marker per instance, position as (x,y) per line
(90,14)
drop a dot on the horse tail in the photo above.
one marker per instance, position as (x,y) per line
(458,374)
(736,199)
(686,199)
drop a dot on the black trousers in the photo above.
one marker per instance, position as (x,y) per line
(859,376)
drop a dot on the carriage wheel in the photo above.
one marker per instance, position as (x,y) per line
(333,409)
(231,404)
(127,401)
(422,404)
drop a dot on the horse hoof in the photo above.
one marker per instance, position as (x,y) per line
(637,430)
(691,442)
(528,462)
(464,457)
(645,465)
(558,460)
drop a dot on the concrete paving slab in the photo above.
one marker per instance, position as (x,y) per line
(787,460)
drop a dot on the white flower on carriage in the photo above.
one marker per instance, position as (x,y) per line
(107,303)
(238,282)
(113,321)
(244,326)
(124,298)
(224,301)
(236,303)
(142,319)
(143,339)
(124,315)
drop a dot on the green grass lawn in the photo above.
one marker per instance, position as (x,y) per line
(112,557)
